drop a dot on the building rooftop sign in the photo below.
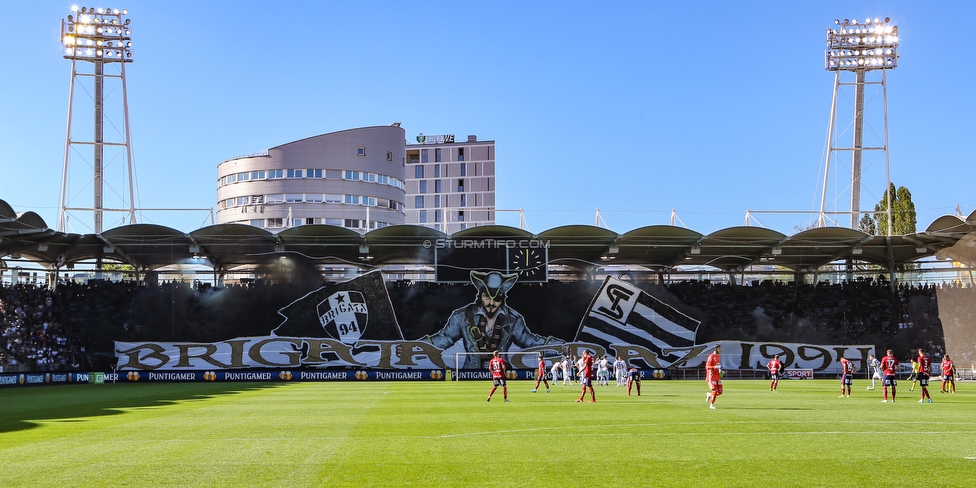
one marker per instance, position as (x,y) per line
(443,139)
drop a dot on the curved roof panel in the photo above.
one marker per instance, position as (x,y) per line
(6,211)
(656,246)
(951,224)
(402,244)
(577,246)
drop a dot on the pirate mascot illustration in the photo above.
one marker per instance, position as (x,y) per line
(488,324)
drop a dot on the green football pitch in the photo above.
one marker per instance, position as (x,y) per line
(444,434)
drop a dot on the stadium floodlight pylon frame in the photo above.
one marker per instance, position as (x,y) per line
(856,48)
(458,359)
(99,37)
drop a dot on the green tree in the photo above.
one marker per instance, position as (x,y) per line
(868,226)
(902,213)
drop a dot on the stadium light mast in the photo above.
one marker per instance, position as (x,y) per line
(856,48)
(97,38)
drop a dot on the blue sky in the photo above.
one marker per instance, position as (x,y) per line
(635,108)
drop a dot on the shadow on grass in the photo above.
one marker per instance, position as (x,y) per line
(22,408)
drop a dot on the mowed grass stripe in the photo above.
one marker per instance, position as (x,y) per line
(410,434)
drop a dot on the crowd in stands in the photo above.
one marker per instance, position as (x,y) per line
(856,312)
(31,334)
(78,323)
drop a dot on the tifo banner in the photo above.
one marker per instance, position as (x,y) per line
(353,326)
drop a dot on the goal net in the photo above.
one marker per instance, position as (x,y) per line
(522,360)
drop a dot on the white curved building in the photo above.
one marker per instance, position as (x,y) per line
(352,178)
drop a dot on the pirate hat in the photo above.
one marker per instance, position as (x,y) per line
(493,283)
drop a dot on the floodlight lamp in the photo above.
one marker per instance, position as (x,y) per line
(836,22)
(877,21)
(125,12)
(74,8)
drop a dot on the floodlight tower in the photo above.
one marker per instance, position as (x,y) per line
(856,48)
(97,37)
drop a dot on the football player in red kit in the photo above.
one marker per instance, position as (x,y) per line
(948,375)
(774,368)
(633,378)
(541,375)
(924,370)
(713,375)
(846,377)
(586,376)
(889,364)
(497,368)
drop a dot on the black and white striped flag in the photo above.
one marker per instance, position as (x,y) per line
(622,313)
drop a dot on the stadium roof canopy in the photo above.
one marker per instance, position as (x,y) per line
(656,247)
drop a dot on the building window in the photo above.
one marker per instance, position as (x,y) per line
(460,185)
(361,151)
(272,223)
(275,174)
(389,155)
(333,198)
(352,223)
(463,200)
(293,197)
(464,170)
(418,171)
(423,217)
(333,174)
(423,156)
(437,171)
(423,186)
(337,222)
(437,155)
(437,215)
(257,223)
(352,199)
(460,215)
(464,226)
(437,186)
(276,198)
(352,175)
(257,175)
(437,201)
(313,198)
(313,173)
(460,154)
(418,202)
